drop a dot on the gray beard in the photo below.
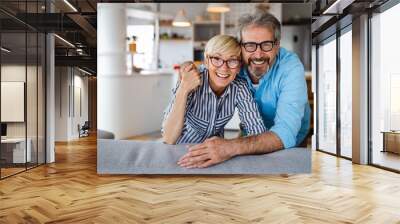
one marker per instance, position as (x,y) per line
(255,77)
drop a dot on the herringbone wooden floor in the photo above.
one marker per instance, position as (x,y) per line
(70,191)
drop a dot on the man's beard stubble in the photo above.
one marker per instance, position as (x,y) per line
(258,73)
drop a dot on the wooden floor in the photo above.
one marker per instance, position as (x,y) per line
(70,191)
(10,171)
(387,159)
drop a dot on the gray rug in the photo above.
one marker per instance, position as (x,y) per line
(145,157)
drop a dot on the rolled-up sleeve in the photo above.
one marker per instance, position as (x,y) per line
(291,105)
(248,111)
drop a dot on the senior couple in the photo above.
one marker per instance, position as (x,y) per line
(262,80)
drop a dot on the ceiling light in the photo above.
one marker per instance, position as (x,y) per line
(64,40)
(180,19)
(70,5)
(218,7)
(5,50)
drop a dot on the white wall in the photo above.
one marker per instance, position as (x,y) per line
(12,73)
(302,46)
(12,100)
(17,73)
(175,52)
(61,103)
(79,117)
(68,80)
(33,126)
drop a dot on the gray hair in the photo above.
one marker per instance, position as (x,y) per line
(260,18)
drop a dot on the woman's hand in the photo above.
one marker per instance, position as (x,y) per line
(190,78)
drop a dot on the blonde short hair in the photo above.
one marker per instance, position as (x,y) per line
(222,44)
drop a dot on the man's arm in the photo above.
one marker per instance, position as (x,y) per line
(216,150)
(291,105)
(257,144)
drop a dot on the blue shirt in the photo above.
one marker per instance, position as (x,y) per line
(207,114)
(282,98)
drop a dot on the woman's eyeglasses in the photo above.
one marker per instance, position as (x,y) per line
(252,46)
(218,62)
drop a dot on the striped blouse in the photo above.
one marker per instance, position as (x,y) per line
(207,114)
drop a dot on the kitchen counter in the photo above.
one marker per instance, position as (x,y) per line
(131,105)
(156,72)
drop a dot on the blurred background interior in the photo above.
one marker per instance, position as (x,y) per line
(158,38)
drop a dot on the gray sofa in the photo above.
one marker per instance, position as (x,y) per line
(148,157)
(101,134)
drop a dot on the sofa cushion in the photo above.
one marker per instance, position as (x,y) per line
(147,157)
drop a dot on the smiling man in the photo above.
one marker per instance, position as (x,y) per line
(276,79)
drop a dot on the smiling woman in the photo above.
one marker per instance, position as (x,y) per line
(201,107)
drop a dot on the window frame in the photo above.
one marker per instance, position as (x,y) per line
(371,13)
(333,37)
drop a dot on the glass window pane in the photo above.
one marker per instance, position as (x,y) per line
(386,89)
(14,153)
(31,96)
(22,89)
(327,97)
(346,94)
(41,98)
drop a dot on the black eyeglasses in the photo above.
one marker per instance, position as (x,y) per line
(218,62)
(252,46)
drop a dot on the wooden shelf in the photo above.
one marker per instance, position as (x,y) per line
(207,22)
(176,39)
